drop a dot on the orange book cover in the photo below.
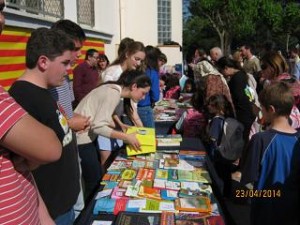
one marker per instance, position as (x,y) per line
(198,204)
(149,192)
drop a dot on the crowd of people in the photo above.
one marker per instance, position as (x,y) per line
(47,175)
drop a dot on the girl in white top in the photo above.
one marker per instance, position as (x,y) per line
(130,57)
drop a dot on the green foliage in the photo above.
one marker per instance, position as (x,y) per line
(242,19)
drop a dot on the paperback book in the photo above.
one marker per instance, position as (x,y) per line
(146,137)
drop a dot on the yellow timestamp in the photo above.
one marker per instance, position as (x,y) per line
(249,193)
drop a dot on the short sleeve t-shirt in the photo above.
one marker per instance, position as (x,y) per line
(273,164)
(58,182)
(18,197)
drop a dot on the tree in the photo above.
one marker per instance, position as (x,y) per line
(282,18)
(197,34)
(229,18)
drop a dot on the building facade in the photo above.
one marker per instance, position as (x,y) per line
(105,22)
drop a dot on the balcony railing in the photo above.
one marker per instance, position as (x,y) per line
(51,8)
(86,12)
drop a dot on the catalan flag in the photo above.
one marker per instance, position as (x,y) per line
(12,53)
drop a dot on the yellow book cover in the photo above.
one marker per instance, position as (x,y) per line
(146,137)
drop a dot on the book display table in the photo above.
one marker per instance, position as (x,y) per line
(170,187)
(167,113)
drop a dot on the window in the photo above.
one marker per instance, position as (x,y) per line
(164,21)
(52,8)
(86,12)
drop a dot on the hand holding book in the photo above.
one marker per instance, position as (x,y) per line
(132,140)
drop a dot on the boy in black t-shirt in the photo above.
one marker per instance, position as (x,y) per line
(48,57)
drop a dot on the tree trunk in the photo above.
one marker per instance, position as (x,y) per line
(287,42)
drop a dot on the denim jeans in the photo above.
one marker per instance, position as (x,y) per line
(146,115)
(66,218)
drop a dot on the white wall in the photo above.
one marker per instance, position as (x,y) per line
(137,19)
(177,21)
(107,19)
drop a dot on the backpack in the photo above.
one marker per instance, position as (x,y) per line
(193,123)
(232,143)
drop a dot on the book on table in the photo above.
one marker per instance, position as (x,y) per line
(135,218)
(146,137)
(193,204)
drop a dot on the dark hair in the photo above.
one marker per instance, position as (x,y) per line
(280,96)
(124,44)
(73,30)
(221,103)
(90,53)
(192,83)
(131,49)
(197,100)
(152,54)
(48,42)
(172,81)
(247,45)
(162,57)
(103,56)
(228,62)
(127,79)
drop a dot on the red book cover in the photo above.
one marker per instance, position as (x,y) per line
(120,205)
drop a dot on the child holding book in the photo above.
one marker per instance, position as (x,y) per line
(272,163)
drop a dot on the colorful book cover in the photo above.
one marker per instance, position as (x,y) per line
(138,164)
(149,192)
(161,174)
(201,175)
(146,137)
(152,164)
(171,162)
(145,174)
(172,175)
(172,185)
(185,175)
(165,142)
(152,205)
(124,183)
(104,205)
(118,193)
(192,189)
(120,205)
(196,204)
(132,191)
(131,218)
(119,165)
(128,174)
(147,183)
(111,177)
(159,183)
(169,195)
